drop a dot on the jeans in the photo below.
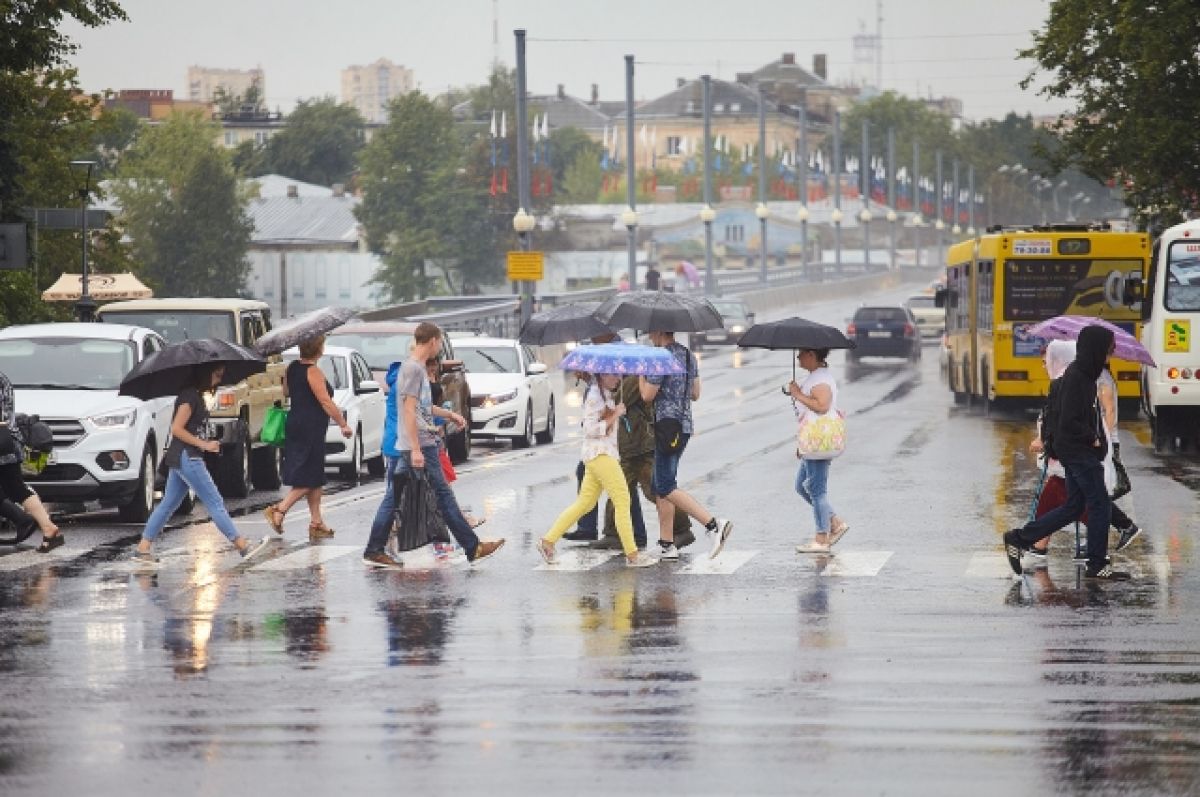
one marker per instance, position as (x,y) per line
(639,470)
(588,522)
(447,503)
(812,481)
(191,473)
(1085,488)
(602,473)
(666,466)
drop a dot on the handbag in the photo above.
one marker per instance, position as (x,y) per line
(1123,486)
(821,436)
(668,435)
(274,426)
(418,520)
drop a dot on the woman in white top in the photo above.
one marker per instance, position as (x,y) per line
(601,472)
(818,393)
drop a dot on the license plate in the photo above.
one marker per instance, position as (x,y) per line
(879,333)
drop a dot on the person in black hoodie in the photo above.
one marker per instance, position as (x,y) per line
(1080,444)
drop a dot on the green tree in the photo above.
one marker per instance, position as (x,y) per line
(319,144)
(583,179)
(1130,67)
(182,208)
(31,35)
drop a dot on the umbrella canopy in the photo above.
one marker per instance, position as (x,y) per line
(168,371)
(693,275)
(569,322)
(302,328)
(1068,327)
(795,333)
(656,311)
(622,358)
(101,287)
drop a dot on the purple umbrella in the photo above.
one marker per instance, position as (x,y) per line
(692,273)
(622,358)
(1068,327)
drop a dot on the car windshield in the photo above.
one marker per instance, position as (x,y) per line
(1183,278)
(881,315)
(176,326)
(66,363)
(922,302)
(334,369)
(379,351)
(731,310)
(488,359)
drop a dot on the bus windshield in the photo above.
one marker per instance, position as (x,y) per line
(1182,294)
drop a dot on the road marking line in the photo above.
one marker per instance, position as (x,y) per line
(725,564)
(857,563)
(30,558)
(425,558)
(1161,564)
(988,565)
(307,557)
(578,559)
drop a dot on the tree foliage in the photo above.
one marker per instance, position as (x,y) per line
(1132,69)
(320,143)
(31,35)
(182,208)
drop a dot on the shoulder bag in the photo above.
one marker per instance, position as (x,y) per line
(821,436)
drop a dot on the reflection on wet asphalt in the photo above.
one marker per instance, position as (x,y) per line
(908,662)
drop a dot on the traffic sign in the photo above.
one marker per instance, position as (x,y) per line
(526,266)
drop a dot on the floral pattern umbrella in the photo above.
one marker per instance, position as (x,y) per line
(1068,327)
(622,358)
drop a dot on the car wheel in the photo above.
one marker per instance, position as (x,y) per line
(265,462)
(233,466)
(353,469)
(142,504)
(547,436)
(187,505)
(376,466)
(526,439)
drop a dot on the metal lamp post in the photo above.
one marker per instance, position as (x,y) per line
(761,211)
(865,217)
(892,218)
(629,217)
(708,215)
(85,308)
(918,221)
(523,221)
(836,218)
(802,217)
(837,191)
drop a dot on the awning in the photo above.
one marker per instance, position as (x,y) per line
(101,287)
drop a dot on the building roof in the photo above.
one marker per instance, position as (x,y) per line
(304,220)
(276,185)
(688,100)
(568,111)
(786,70)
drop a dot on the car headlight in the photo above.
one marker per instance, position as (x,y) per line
(114,420)
(500,398)
(737,329)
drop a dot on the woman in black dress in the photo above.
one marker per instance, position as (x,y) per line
(304,438)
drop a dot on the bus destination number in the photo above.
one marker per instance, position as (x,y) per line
(1074,246)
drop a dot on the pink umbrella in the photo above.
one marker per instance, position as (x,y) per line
(692,273)
(1067,327)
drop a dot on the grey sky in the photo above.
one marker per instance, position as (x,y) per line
(960,48)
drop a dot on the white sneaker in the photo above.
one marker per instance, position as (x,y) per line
(669,553)
(253,549)
(642,559)
(724,529)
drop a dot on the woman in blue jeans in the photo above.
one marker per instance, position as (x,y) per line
(818,393)
(185,458)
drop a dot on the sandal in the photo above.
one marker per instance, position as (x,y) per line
(275,518)
(812,547)
(50,543)
(838,532)
(475,522)
(319,531)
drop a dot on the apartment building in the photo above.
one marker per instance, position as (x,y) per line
(370,88)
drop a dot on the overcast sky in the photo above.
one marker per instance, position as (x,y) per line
(958,48)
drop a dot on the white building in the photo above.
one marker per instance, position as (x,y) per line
(204,82)
(370,88)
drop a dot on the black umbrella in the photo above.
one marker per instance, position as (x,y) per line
(302,328)
(562,324)
(795,333)
(656,311)
(166,372)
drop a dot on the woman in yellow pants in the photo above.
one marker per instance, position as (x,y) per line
(601,472)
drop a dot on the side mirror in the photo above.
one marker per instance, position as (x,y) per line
(535,369)
(750,318)
(1124,290)
(452,366)
(939,298)
(368,386)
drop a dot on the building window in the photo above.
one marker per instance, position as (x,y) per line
(261,136)
(735,107)
(674,145)
(718,107)
(231,138)
(322,278)
(735,233)
(344,281)
(691,106)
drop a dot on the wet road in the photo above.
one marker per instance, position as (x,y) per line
(910,662)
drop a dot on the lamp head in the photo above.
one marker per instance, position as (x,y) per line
(939,225)
(836,216)
(802,213)
(761,211)
(891,216)
(707,214)
(865,216)
(629,217)
(523,222)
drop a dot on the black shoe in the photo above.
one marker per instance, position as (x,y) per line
(50,543)
(1013,549)
(582,535)
(607,544)
(1106,573)
(1127,536)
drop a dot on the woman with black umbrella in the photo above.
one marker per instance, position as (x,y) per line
(817,394)
(185,458)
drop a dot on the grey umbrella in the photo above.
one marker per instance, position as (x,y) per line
(568,322)
(656,311)
(301,328)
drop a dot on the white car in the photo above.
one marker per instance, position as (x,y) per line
(106,447)
(511,395)
(362,401)
(931,319)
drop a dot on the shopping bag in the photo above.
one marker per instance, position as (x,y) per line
(274,426)
(418,520)
(821,436)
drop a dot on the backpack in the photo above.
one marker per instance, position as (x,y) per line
(1049,417)
(34,433)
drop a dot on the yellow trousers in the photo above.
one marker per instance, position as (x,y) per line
(600,474)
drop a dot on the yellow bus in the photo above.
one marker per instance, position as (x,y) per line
(1005,281)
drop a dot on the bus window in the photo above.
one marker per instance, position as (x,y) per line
(1181,289)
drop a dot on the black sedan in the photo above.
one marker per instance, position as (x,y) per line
(889,331)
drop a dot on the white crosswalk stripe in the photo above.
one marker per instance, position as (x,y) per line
(309,556)
(856,564)
(578,559)
(725,564)
(31,558)
(988,565)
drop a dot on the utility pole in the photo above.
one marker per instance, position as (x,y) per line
(523,222)
(629,217)
(761,210)
(707,214)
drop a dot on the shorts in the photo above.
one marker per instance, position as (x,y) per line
(666,466)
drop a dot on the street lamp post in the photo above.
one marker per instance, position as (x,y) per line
(836,218)
(761,211)
(707,214)
(939,225)
(629,217)
(864,192)
(85,308)
(837,192)
(891,195)
(916,200)
(802,189)
(802,215)
(865,218)
(523,221)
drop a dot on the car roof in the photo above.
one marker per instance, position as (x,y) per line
(187,304)
(376,328)
(333,351)
(883,307)
(73,329)
(485,341)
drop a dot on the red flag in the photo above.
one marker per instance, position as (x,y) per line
(493,190)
